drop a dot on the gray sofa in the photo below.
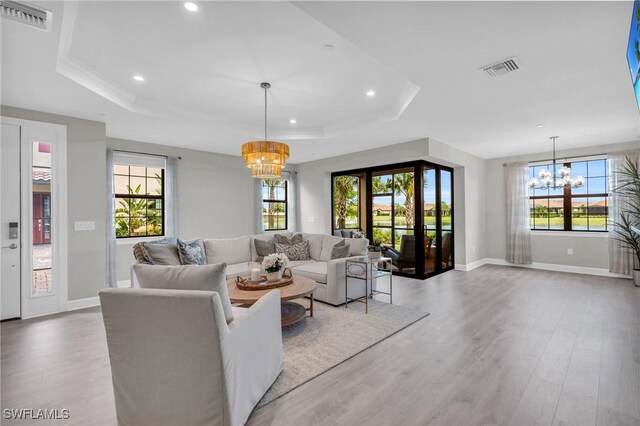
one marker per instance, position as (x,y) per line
(240,256)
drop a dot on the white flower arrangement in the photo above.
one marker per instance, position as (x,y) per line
(274,262)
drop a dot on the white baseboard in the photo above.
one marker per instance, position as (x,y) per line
(89,302)
(471,266)
(73,305)
(554,267)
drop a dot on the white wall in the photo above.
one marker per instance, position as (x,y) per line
(469,200)
(215,193)
(314,186)
(589,250)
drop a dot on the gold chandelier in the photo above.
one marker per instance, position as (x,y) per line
(265,158)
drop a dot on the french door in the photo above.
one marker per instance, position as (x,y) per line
(409,213)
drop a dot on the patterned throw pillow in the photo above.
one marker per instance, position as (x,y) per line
(191,252)
(340,250)
(264,248)
(283,239)
(298,251)
(140,255)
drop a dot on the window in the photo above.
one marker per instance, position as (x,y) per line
(138,195)
(572,209)
(274,204)
(346,202)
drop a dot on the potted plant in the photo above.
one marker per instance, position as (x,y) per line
(375,252)
(627,228)
(274,264)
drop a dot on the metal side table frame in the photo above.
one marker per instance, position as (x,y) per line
(367,270)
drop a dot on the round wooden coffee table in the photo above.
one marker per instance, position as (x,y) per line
(291,312)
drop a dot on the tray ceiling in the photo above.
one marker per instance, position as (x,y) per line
(202,73)
(208,65)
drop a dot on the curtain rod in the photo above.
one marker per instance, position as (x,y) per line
(566,158)
(143,153)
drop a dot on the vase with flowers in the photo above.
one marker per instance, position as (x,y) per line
(274,265)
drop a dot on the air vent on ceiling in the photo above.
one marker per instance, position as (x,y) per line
(29,15)
(502,68)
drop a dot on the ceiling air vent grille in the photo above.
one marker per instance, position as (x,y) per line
(26,14)
(502,68)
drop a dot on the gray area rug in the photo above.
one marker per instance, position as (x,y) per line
(315,345)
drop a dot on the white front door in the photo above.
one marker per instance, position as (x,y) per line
(10,234)
(34,270)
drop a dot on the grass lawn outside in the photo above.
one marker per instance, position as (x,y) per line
(592,223)
(279,221)
(429,221)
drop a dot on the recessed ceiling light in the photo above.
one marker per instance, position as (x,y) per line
(371,93)
(138,77)
(191,7)
(293,121)
(540,125)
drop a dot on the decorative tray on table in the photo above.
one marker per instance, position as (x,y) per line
(263,284)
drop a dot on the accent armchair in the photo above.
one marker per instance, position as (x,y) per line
(174,359)
(405,258)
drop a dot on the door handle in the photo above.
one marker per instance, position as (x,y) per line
(11,246)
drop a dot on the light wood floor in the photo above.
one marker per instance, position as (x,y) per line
(502,346)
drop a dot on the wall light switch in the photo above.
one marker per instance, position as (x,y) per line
(84,226)
(312,219)
(570,252)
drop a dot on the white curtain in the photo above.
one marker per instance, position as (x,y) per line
(518,214)
(171,198)
(621,259)
(257,196)
(292,198)
(111,279)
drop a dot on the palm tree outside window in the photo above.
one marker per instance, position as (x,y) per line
(139,201)
(274,204)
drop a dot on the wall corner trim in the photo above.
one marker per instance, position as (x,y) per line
(471,266)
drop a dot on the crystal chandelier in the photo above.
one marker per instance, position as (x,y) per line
(557,178)
(265,158)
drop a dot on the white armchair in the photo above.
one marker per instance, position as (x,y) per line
(174,359)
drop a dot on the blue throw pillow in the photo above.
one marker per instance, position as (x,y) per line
(191,252)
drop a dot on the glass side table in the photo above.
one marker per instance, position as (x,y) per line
(366,269)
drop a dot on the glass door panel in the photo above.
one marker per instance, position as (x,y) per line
(382,210)
(42,279)
(429,214)
(394,192)
(445,219)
